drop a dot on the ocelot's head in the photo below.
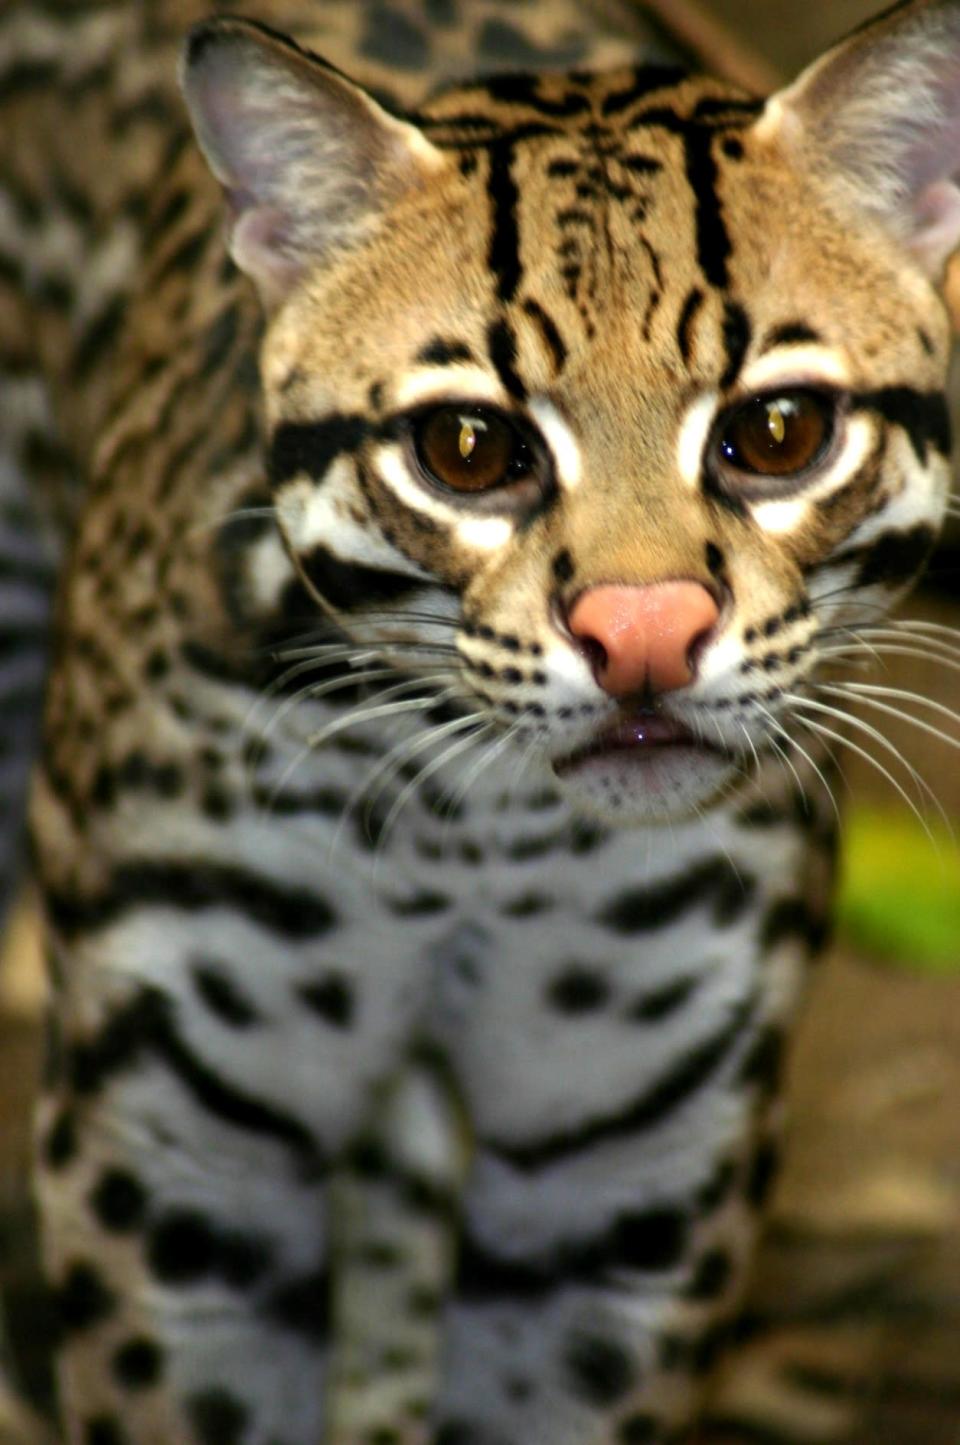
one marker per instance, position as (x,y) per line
(610,402)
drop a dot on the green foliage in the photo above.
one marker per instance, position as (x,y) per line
(899,896)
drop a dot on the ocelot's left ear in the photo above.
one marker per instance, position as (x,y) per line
(310,163)
(879,117)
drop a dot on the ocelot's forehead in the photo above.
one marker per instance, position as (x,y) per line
(636,227)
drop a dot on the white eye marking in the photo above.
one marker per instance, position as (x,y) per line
(310,514)
(694,434)
(561,441)
(482,533)
(788,367)
(787,513)
(435,383)
(781,516)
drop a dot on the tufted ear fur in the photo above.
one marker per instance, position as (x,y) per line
(307,159)
(881,114)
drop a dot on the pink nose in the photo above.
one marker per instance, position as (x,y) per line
(642,638)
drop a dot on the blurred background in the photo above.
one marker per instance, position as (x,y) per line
(853,1331)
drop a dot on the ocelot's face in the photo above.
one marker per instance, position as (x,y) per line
(612,429)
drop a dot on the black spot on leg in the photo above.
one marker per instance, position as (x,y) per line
(600,1370)
(138,1364)
(185,1246)
(218,1417)
(456,1432)
(578,990)
(61,1142)
(119,1201)
(638,1430)
(82,1300)
(763,1172)
(222,996)
(302,1306)
(332,999)
(712,1275)
(104,1430)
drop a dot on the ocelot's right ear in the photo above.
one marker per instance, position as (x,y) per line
(878,119)
(309,162)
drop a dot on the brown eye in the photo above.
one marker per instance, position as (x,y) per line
(470,450)
(778,436)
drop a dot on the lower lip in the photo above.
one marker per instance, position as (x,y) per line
(634,740)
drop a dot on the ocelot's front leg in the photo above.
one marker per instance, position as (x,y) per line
(623,1106)
(220,1039)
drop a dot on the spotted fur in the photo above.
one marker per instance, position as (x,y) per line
(395,1093)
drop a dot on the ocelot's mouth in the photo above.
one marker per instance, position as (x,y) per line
(634,737)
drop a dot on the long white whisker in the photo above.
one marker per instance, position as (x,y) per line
(458,746)
(314,691)
(390,709)
(823,731)
(352,719)
(874,733)
(395,760)
(870,692)
(813,764)
(488,755)
(903,717)
(887,649)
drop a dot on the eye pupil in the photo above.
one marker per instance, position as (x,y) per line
(470,450)
(780,436)
(777,423)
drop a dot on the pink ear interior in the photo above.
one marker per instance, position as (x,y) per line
(306,157)
(883,110)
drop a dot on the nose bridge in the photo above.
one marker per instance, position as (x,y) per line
(634,521)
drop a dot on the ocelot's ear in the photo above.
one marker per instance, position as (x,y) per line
(880,113)
(309,162)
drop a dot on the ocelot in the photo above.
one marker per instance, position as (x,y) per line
(464,497)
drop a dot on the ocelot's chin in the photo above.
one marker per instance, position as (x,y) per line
(649,783)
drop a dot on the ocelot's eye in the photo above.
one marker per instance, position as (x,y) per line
(778,435)
(470,449)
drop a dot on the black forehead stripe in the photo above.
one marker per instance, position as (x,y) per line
(713,242)
(641,165)
(310,447)
(523,90)
(444,352)
(736,341)
(924,416)
(695,299)
(503,355)
(551,333)
(479,132)
(504,252)
(727,109)
(348,585)
(791,333)
(646,79)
